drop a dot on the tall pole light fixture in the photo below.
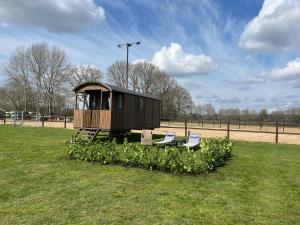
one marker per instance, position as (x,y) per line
(127,50)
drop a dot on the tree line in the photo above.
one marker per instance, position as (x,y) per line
(208,112)
(40,78)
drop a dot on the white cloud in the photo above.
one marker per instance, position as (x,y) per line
(295,83)
(3,24)
(276,28)
(54,15)
(290,72)
(254,80)
(138,61)
(176,62)
(233,100)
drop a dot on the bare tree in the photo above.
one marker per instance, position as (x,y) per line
(80,74)
(116,74)
(165,91)
(209,109)
(13,95)
(55,76)
(143,77)
(263,114)
(4,101)
(146,78)
(182,100)
(166,84)
(36,77)
(17,71)
(38,58)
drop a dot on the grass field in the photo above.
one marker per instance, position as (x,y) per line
(40,185)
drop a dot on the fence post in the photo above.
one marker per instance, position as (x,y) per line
(276,136)
(65,122)
(43,120)
(239,124)
(185,127)
(283,124)
(22,118)
(4,119)
(220,123)
(244,123)
(260,125)
(228,128)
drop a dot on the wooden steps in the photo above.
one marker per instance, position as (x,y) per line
(91,133)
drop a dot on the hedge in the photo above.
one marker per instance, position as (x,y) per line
(212,153)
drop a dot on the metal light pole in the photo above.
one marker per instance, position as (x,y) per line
(127,50)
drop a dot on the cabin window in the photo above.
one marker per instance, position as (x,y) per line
(88,101)
(120,102)
(79,101)
(95,101)
(82,101)
(105,100)
(140,104)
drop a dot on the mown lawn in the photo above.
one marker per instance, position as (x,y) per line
(40,185)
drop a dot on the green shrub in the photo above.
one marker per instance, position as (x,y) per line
(215,152)
(104,152)
(138,155)
(212,154)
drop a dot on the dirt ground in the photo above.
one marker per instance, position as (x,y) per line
(194,127)
(55,124)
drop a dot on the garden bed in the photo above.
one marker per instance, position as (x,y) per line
(211,153)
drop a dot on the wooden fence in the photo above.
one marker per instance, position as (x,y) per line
(229,128)
(274,128)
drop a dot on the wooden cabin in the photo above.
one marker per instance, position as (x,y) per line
(106,107)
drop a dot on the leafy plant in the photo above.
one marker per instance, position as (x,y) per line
(104,152)
(215,152)
(212,154)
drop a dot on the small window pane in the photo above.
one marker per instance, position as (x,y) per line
(86,101)
(79,100)
(105,100)
(140,104)
(95,101)
(120,101)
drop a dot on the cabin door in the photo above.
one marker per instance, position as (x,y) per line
(91,112)
(95,102)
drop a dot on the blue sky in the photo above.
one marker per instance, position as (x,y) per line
(230,53)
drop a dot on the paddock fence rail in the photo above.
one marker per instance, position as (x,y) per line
(37,120)
(277,132)
(263,131)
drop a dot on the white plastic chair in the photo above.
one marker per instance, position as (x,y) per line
(194,140)
(169,137)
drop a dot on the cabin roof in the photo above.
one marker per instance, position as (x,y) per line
(116,89)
